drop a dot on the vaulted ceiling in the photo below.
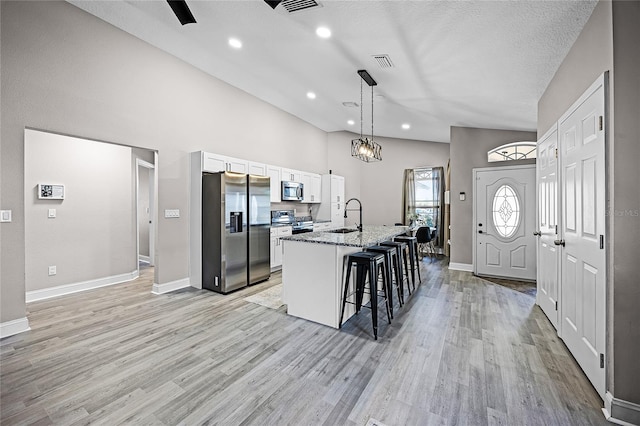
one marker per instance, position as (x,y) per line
(455,63)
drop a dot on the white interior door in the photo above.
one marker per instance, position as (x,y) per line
(548,273)
(583,258)
(504,216)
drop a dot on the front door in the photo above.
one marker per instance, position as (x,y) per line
(582,244)
(504,215)
(547,224)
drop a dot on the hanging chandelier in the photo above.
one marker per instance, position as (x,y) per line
(363,148)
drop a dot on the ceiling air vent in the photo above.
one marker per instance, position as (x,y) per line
(298,5)
(350,104)
(383,61)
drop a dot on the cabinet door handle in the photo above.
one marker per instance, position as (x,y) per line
(559,242)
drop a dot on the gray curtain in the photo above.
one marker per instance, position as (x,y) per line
(408,196)
(438,197)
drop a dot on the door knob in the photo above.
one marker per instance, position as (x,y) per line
(537,233)
(559,242)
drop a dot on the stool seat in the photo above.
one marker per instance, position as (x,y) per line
(367,264)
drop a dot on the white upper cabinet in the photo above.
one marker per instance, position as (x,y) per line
(312,187)
(291,175)
(220,163)
(213,163)
(259,169)
(337,189)
(275,175)
(237,165)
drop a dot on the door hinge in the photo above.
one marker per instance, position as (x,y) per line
(601,122)
(556,152)
(601,242)
(601,360)
(556,305)
(556,229)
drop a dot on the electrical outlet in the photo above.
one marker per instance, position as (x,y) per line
(171,213)
(52,270)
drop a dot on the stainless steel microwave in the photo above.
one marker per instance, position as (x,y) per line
(292,191)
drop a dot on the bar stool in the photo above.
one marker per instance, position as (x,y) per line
(412,242)
(371,264)
(390,255)
(401,250)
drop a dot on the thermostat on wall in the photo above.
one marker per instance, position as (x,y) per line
(50,192)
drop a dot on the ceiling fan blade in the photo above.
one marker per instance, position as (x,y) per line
(182,11)
(273,3)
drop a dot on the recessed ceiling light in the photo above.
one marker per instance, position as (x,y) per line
(311,95)
(406,126)
(351,122)
(235,43)
(323,32)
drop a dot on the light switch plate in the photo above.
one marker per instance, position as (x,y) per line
(171,213)
(52,213)
(52,270)
(5,215)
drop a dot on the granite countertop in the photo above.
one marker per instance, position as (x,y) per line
(370,235)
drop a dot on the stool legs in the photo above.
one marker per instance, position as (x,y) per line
(399,278)
(368,266)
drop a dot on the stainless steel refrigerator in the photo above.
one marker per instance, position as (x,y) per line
(226,239)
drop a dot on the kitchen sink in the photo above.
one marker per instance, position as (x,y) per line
(342,230)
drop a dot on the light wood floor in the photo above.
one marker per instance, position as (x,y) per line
(462,351)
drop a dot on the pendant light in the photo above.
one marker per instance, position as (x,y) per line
(366,149)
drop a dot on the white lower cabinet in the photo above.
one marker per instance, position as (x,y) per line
(276,244)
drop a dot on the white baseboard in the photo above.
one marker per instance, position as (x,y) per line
(467,267)
(144,259)
(9,328)
(62,290)
(170,286)
(621,412)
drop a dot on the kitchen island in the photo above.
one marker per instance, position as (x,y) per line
(313,266)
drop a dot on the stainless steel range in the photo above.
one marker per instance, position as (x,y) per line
(302,224)
(298,225)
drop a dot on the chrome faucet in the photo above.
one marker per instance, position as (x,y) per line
(347,210)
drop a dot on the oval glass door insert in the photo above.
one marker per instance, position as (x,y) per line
(506,211)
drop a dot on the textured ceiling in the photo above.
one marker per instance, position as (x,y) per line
(456,63)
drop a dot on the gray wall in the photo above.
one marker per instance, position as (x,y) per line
(590,55)
(93,234)
(367,181)
(469,148)
(68,72)
(609,41)
(626,200)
